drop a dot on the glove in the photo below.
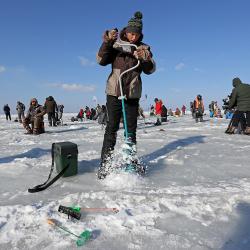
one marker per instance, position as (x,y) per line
(110,35)
(142,53)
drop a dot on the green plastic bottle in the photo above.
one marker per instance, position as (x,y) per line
(83,237)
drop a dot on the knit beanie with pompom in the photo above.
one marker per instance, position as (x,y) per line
(135,23)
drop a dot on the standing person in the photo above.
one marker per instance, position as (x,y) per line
(215,109)
(34,117)
(219,115)
(51,108)
(199,108)
(92,113)
(20,108)
(102,117)
(98,110)
(192,109)
(211,109)
(121,60)
(183,109)
(164,114)
(6,110)
(158,111)
(240,99)
(60,108)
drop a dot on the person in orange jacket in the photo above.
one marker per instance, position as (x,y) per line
(177,112)
(199,108)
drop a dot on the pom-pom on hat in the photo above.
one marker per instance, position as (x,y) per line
(135,23)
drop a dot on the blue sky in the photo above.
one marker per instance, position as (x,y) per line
(48,47)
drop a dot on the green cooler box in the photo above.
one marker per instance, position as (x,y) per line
(66,153)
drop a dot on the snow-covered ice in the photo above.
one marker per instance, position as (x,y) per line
(195,195)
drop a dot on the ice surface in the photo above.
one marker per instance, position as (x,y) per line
(195,194)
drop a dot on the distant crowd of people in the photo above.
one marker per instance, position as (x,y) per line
(33,121)
(236,107)
(161,112)
(99,113)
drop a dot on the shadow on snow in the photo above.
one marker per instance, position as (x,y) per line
(240,239)
(169,148)
(32,153)
(65,130)
(88,166)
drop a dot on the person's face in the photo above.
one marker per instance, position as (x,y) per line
(132,37)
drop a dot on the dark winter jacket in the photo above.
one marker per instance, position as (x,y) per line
(6,109)
(50,105)
(112,53)
(240,96)
(164,111)
(80,114)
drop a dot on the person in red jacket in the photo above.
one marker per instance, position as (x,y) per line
(80,115)
(158,111)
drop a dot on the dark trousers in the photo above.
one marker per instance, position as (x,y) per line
(8,116)
(20,115)
(248,118)
(52,118)
(114,113)
(239,116)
